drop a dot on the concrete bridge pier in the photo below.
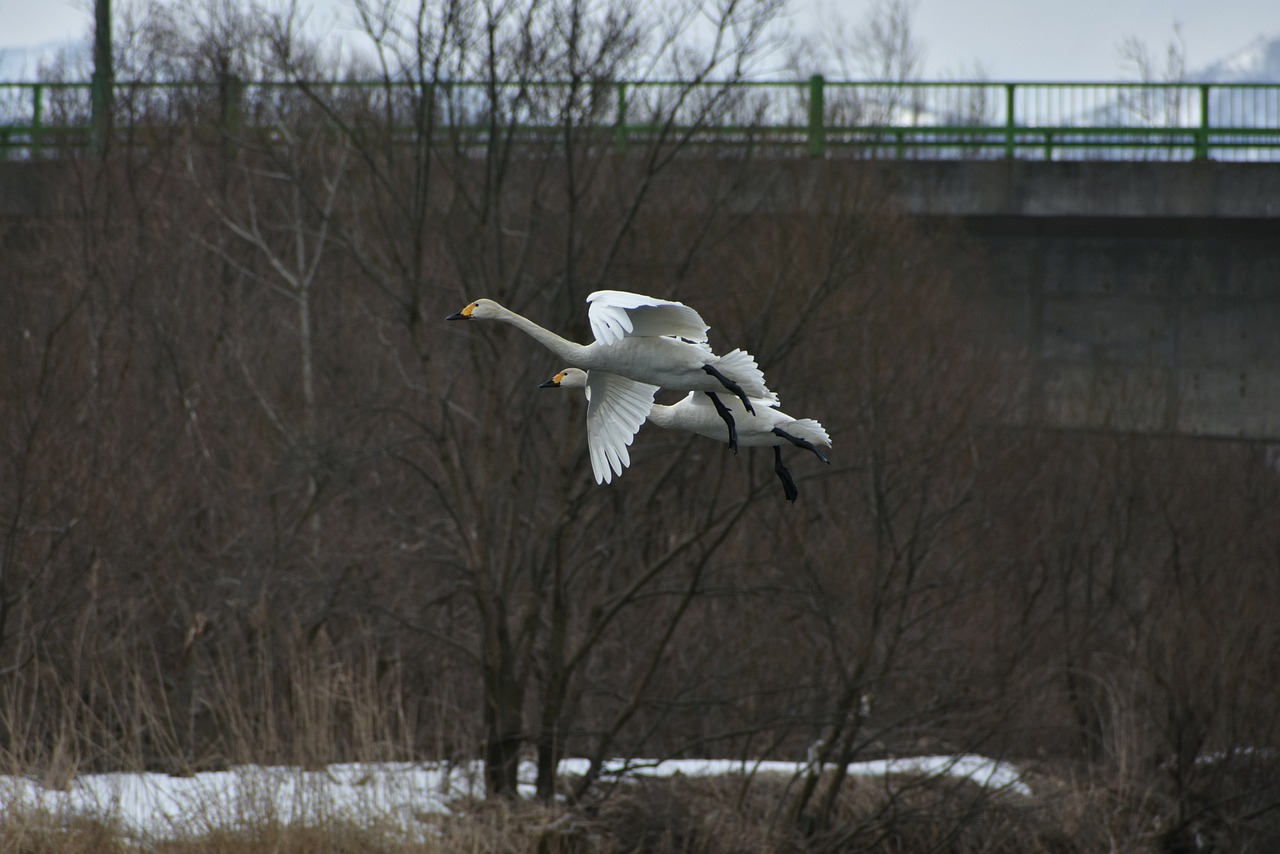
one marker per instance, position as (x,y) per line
(1147,295)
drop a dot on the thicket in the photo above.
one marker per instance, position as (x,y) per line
(259,503)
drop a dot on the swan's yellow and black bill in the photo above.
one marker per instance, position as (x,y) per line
(465,314)
(554,382)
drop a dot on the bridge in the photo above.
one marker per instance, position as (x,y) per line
(813,117)
(1130,233)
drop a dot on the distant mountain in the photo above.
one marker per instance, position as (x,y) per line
(1257,62)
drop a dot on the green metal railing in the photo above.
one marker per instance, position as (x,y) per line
(814,117)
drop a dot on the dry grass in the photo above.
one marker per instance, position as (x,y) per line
(40,832)
(719,816)
(336,839)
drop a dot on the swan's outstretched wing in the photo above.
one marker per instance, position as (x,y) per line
(616,407)
(617,314)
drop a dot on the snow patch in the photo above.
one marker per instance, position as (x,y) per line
(400,796)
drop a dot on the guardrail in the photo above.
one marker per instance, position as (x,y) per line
(814,117)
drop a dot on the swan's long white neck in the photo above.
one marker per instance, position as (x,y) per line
(567,350)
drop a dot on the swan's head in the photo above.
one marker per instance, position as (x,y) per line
(568,378)
(481,309)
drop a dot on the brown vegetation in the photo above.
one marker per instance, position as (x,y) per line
(258,503)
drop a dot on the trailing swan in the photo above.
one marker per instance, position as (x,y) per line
(764,426)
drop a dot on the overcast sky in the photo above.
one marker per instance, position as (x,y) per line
(1008,39)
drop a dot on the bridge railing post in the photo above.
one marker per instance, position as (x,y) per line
(103,85)
(817,118)
(1010,121)
(620,129)
(1202,133)
(101,100)
(37,121)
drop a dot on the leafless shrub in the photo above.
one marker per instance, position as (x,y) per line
(261,505)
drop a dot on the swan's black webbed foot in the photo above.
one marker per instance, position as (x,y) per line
(801,443)
(731,385)
(788,485)
(728,420)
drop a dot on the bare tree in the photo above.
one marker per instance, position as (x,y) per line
(882,47)
(506,188)
(1137,57)
(1157,106)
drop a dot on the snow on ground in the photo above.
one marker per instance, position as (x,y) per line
(398,796)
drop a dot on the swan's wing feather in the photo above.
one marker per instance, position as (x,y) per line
(616,314)
(616,407)
(740,366)
(809,430)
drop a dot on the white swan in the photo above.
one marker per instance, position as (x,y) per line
(766,426)
(648,341)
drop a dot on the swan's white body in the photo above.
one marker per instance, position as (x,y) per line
(695,414)
(642,344)
(766,426)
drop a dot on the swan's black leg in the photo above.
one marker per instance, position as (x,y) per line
(801,443)
(731,385)
(728,420)
(788,485)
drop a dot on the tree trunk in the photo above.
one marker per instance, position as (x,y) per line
(504,721)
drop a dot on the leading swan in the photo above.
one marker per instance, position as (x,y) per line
(644,341)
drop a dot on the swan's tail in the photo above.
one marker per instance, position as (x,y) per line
(740,366)
(809,430)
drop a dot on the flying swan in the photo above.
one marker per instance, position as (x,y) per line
(644,343)
(767,425)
